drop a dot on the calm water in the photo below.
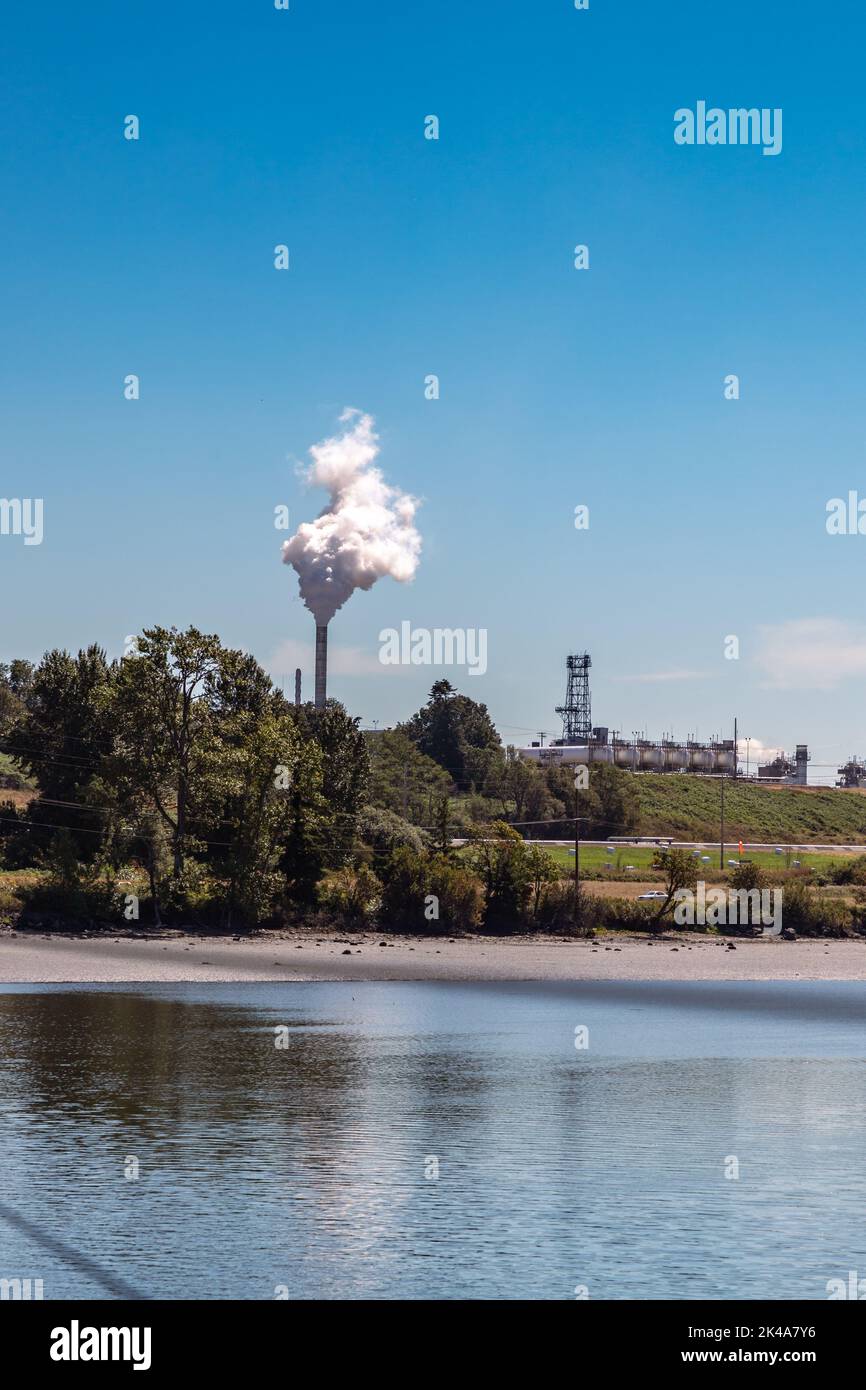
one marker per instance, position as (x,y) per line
(305,1166)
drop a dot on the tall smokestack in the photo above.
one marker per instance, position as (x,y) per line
(321,663)
(297,686)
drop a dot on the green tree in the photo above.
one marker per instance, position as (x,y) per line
(680,871)
(258,813)
(405,878)
(166,752)
(458,734)
(542,872)
(608,806)
(424,892)
(441,828)
(616,800)
(59,736)
(345,777)
(512,787)
(345,771)
(16,680)
(500,858)
(383,831)
(402,778)
(310,821)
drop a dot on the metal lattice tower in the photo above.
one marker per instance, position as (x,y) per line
(576,715)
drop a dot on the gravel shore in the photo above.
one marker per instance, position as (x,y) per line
(58,958)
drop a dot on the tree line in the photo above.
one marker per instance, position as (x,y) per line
(178,784)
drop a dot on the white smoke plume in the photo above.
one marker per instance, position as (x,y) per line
(366,531)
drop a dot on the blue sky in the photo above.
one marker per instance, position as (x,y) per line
(454,257)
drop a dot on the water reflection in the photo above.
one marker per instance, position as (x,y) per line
(305,1166)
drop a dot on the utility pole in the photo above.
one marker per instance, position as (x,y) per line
(577,913)
(722,834)
(736,748)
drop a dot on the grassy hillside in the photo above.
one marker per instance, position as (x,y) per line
(688,808)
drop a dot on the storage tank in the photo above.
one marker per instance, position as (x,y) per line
(600,753)
(650,757)
(723,760)
(624,755)
(546,756)
(676,757)
(700,757)
(561,754)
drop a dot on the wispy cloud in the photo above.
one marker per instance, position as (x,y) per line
(811,653)
(756,752)
(342,661)
(647,677)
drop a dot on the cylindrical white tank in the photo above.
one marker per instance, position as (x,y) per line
(651,759)
(676,757)
(723,759)
(600,753)
(553,756)
(700,759)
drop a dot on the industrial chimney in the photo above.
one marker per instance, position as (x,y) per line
(364,533)
(297,686)
(321,664)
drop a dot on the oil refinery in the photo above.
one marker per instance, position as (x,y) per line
(584,742)
(852,773)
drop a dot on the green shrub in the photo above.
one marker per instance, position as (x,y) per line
(79,892)
(850,871)
(459,896)
(352,893)
(810,915)
(422,892)
(748,876)
(384,831)
(17,848)
(501,859)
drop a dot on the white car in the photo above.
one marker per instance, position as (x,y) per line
(642,897)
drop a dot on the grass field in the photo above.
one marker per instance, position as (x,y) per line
(688,809)
(596,859)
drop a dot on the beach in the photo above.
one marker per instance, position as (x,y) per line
(173,956)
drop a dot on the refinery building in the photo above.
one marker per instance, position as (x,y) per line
(584,742)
